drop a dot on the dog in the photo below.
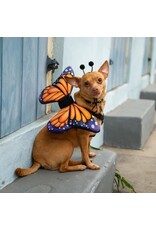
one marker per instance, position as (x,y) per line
(54,150)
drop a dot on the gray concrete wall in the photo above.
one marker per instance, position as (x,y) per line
(74,51)
(80,50)
(135,67)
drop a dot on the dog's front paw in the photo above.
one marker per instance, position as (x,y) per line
(91,154)
(82,167)
(93,166)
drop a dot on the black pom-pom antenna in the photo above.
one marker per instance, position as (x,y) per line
(82,67)
(91,65)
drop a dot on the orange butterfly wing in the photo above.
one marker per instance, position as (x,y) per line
(69,116)
(59,89)
(59,122)
(73,116)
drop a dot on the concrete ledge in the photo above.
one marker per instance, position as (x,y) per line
(149,93)
(130,124)
(87,181)
(16,149)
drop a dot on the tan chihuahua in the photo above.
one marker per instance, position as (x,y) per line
(54,151)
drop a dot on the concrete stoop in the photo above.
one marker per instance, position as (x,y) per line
(149,93)
(87,181)
(130,124)
(15,151)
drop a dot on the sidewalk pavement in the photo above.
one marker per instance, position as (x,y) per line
(139,166)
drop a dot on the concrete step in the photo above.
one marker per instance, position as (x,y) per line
(130,124)
(149,93)
(87,181)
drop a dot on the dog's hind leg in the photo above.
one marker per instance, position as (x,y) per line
(73,163)
(66,167)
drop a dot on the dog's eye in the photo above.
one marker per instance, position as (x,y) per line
(99,80)
(86,83)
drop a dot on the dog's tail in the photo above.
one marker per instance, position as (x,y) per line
(28,171)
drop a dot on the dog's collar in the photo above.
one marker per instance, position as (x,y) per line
(94,102)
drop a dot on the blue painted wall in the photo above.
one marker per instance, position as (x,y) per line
(22,77)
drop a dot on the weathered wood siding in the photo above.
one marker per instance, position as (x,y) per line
(147,56)
(22,77)
(118,57)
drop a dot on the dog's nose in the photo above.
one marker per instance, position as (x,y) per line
(95,89)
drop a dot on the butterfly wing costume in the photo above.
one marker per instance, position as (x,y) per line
(71,115)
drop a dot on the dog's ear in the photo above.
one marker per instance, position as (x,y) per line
(104,69)
(74,81)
